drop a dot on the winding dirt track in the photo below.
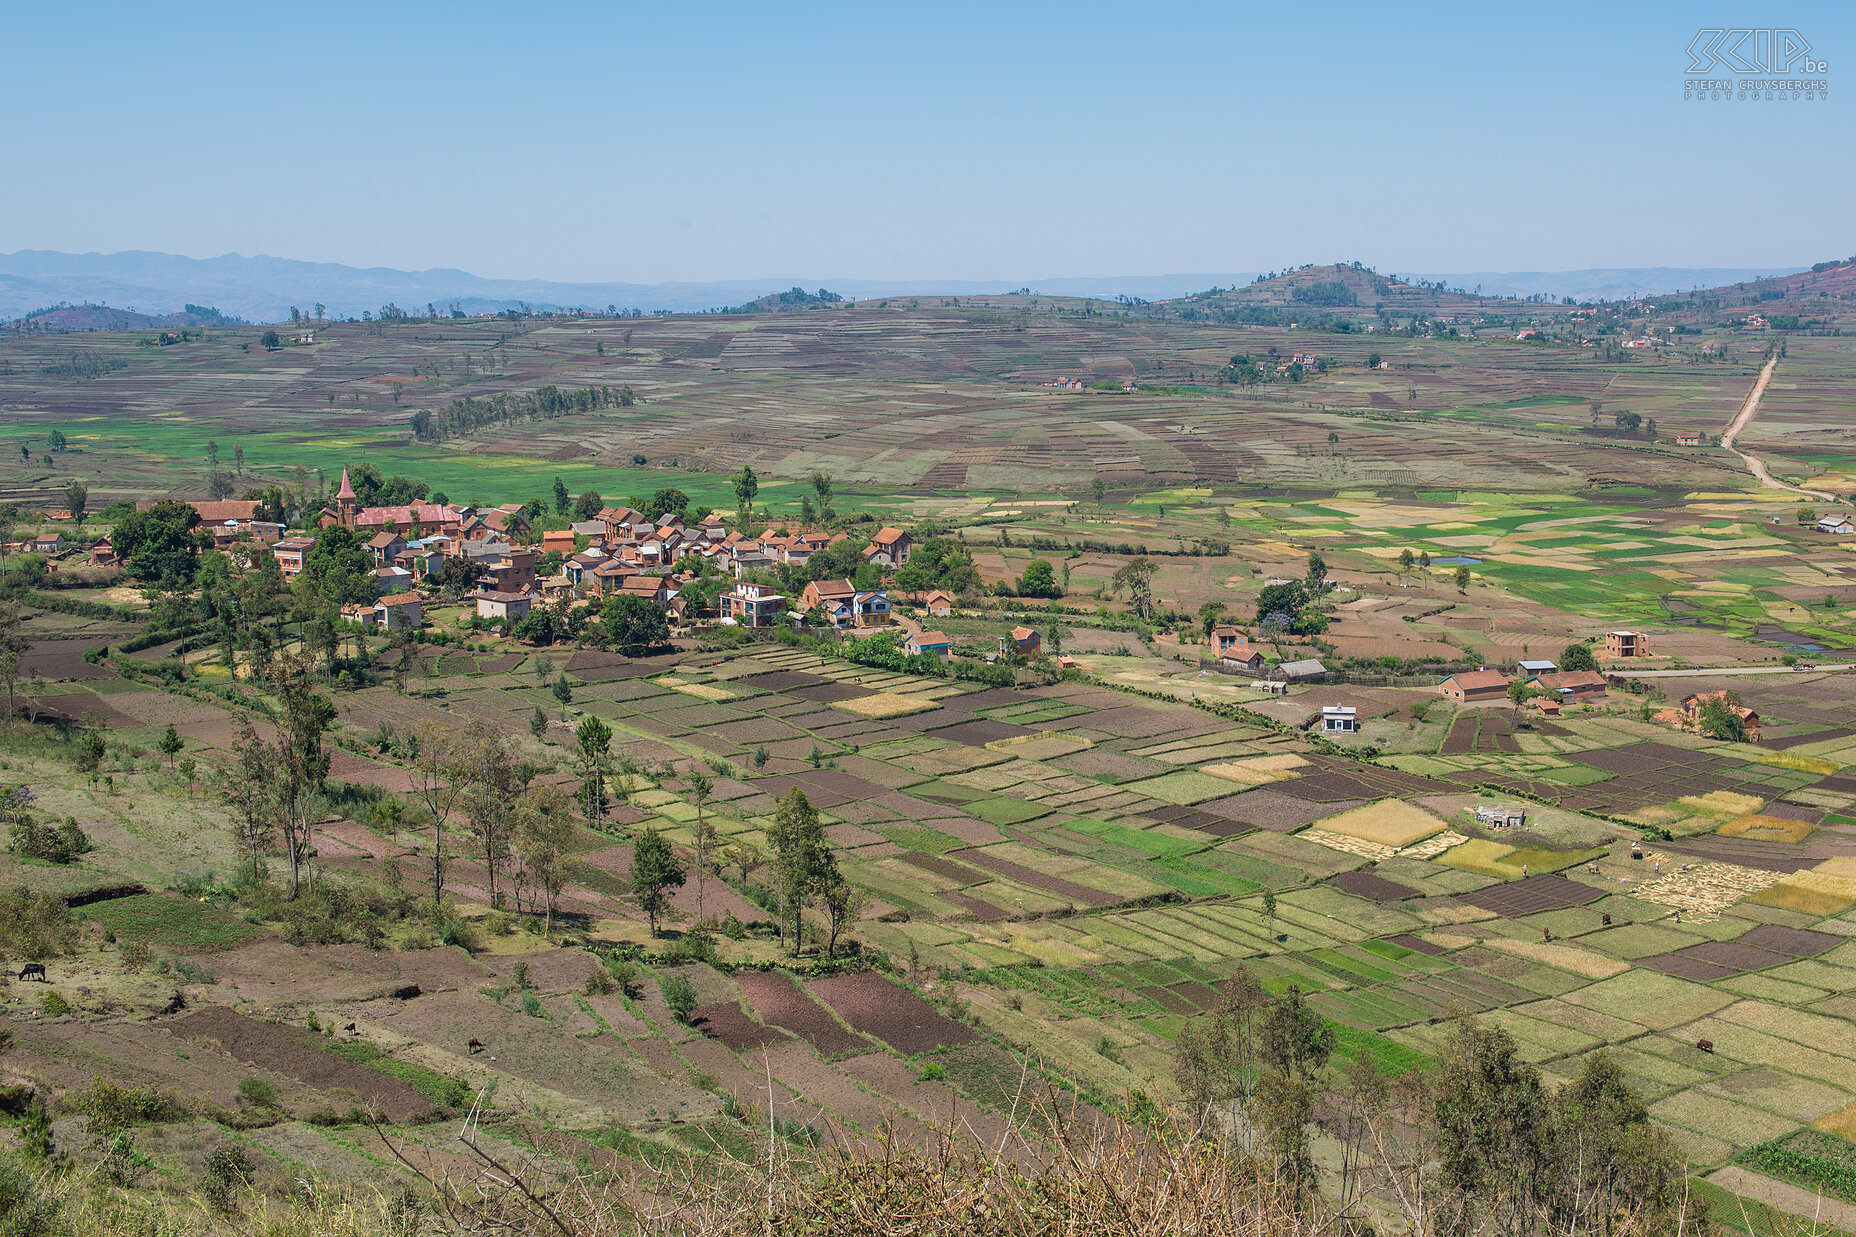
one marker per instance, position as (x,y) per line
(1742,419)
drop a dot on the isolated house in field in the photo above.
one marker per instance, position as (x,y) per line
(1340,719)
(1226,637)
(929,644)
(1469,686)
(1626,644)
(1309,671)
(1836,525)
(507,607)
(889,548)
(1688,438)
(1241,658)
(1023,641)
(1688,713)
(939,604)
(1498,816)
(753,605)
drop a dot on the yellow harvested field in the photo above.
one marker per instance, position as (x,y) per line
(1565,957)
(1045,745)
(1256,770)
(1815,892)
(1767,828)
(1804,764)
(1842,1121)
(1723,803)
(885,704)
(1389,822)
(1450,940)
(705,691)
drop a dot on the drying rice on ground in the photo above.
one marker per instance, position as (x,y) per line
(1432,847)
(1347,845)
(1707,890)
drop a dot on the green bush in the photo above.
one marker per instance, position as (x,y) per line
(26,1208)
(679,994)
(35,925)
(259,1092)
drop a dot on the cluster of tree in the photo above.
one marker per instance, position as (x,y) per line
(1324,292)
(162,543)
(1039,579)
(1294,606)
(373,490)
(794,298)
(1480,1145)
(521,831)
(35,839)
(939,562)
(806,874)
(470,413)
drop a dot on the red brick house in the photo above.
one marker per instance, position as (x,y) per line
(889,548)
(1473,685)
(1023,642)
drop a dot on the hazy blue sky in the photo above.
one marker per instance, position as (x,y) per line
(889,141)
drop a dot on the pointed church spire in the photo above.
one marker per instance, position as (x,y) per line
(347,490)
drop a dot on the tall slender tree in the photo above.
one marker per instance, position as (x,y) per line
(303,764)
(655,872)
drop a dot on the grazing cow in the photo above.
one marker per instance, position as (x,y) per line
(350,1029)
(1706,1045)
(475,1046)
(35,970)
(1605,919)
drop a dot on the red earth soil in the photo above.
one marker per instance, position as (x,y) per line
(891,1013)
(296,1053)
(780,1003)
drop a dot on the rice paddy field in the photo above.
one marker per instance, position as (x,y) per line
(1057,878)
(1049,871)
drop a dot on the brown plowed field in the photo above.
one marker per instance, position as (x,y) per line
(728,1022)
(781,1003)
(1037,880)
(296,1053)
(891,1013)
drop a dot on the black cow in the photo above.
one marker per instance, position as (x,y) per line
(35,969)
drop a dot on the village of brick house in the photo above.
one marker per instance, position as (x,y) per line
(1310,751)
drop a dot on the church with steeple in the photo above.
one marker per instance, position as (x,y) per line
(344,502)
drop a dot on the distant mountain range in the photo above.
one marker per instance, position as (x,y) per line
(264,289)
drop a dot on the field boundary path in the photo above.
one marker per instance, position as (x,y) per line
(1700,671)
(1794,1200)
(1743,418)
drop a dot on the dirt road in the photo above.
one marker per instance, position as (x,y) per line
(1742,419)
